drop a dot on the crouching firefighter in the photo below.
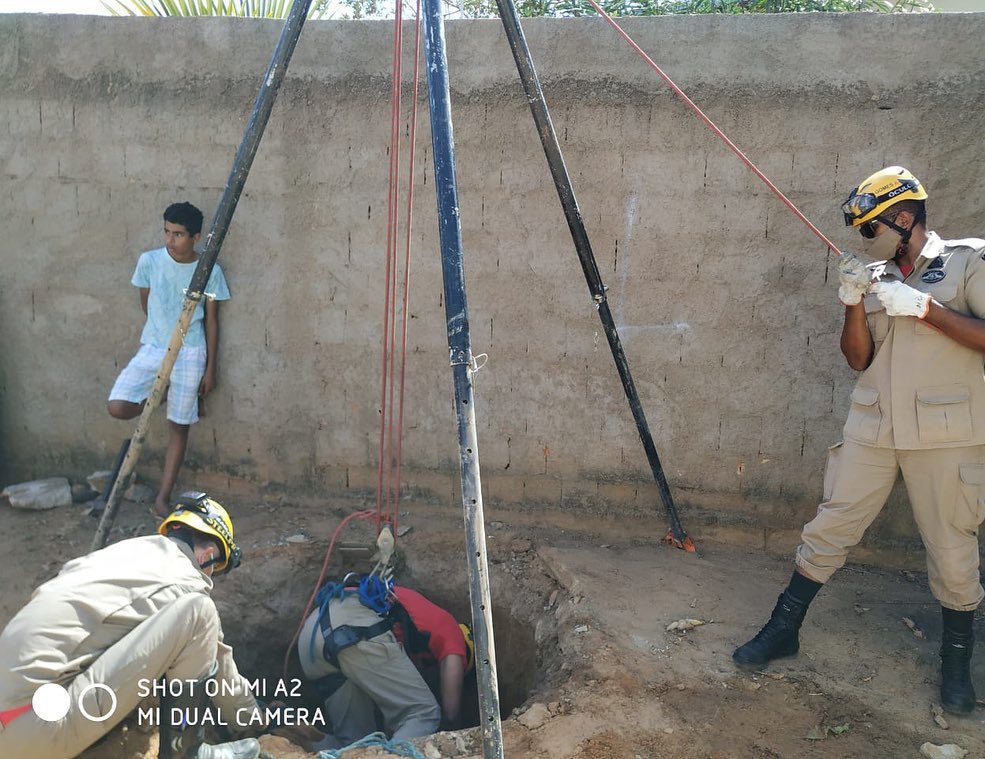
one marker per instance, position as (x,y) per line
(361,650)
(130,620)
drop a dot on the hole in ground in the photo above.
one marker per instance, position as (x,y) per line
(261,609)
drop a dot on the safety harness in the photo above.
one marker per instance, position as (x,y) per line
(373,593)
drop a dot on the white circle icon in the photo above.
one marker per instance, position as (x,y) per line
(96,717)
(51,702)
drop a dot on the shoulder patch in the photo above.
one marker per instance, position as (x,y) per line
(933,275)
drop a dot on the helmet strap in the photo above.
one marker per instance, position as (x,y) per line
(904,233)
(215,551)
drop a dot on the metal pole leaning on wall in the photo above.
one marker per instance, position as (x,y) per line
(463,367)
(206,262)
(552,150)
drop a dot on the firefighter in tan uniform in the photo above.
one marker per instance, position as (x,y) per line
(914,327)
(110,626)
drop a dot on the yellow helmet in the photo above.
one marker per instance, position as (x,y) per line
(469,645)
(880,191)
(203,514)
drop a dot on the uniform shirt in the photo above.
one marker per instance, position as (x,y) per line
(924,390)
(168,280)
(93,602)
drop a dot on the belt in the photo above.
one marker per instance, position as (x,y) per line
(11,714)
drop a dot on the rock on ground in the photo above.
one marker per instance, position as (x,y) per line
(39,495)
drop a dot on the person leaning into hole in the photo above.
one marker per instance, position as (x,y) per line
(373,646)
(114,623)
(918,336)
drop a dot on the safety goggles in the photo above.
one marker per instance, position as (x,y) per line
(198,503)
(868,229)
(858,206)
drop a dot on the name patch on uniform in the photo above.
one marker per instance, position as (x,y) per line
(933,275)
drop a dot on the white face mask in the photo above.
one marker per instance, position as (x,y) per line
(883,247)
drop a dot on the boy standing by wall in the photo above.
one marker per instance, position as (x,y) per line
(162,276)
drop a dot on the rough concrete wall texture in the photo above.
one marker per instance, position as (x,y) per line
(725,302)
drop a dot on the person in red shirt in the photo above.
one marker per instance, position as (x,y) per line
(438,645)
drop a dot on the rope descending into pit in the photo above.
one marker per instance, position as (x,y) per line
(391,410)
(396,299)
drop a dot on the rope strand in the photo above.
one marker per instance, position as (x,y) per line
(391,432)
(395,514)
(389,277)
(714,128)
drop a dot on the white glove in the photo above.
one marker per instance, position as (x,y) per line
(902,300)
(853,279)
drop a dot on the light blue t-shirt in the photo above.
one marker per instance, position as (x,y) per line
(168,280)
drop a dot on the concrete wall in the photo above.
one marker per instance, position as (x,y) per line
(725,301)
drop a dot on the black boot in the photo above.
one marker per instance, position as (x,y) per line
(182,706)
(778,638)
(957,645)
(181,740)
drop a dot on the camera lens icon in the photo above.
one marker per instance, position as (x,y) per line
(52,702)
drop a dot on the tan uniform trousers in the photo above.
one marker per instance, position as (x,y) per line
(179,642)
(379,675)
(946,487)
(388,680)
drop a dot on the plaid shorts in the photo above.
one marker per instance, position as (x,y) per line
(136,380)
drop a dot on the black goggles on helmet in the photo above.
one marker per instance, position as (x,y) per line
(861,204)
(198,503)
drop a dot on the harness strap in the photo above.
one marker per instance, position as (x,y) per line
(342,637)
(384,625)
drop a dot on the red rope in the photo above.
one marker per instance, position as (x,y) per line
(408,230)
(711,125)
(385,452)
(391,432)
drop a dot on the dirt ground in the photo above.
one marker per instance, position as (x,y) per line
(586,665)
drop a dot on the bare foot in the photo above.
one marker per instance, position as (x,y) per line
(161,509)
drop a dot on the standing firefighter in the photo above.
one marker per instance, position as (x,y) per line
(133,619)
(918,336)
